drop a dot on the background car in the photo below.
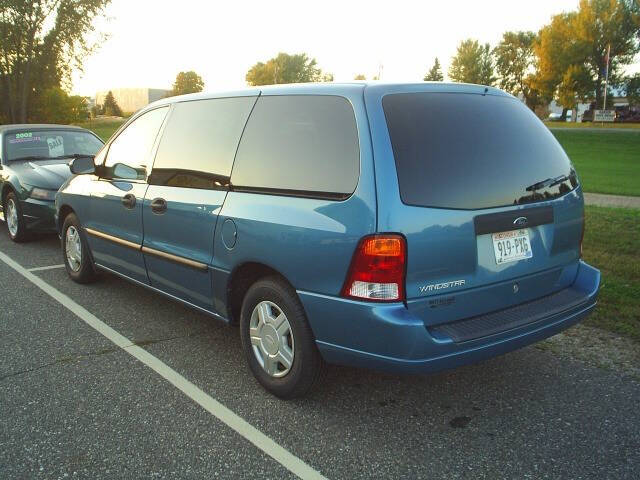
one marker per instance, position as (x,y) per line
(33,166)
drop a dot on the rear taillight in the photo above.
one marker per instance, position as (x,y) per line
(582,235)
(378,269)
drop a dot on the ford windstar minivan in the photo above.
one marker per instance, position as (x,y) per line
(407,228)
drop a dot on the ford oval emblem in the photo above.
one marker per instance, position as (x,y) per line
(521,222)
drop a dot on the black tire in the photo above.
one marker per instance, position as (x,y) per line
(308,366)
(21,232)
(84,272)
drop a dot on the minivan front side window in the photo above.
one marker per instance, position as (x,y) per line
(305,145)
(128,154)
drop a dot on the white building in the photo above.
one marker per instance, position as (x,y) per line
(132,99)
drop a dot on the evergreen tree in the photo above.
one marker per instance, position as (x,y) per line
(111,107)
(435,74)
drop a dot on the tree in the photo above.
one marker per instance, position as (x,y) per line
(56,106)
(360,76)
(631,88)
(110,106)
(286,68)
(515,65)
(572,49)
(472,63)
(187,82)
(435,74)
(42,42)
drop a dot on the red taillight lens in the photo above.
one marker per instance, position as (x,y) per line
(377,270)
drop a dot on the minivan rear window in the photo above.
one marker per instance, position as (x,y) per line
(303,145)
(470,151)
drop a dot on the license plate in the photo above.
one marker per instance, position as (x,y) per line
(511,246)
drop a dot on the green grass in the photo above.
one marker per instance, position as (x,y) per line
(103,128)
(607,162)
(588,125)
(612,244)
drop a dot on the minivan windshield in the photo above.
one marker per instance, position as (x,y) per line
(47,144)
(471,151)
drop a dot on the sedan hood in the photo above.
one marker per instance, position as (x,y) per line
(49,174)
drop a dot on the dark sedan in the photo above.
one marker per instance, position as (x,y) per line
(33,166)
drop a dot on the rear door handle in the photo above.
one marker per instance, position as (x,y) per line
(158,205)
(129,201)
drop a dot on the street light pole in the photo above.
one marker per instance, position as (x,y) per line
(606,77)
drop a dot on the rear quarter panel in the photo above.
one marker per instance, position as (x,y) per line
(309,241)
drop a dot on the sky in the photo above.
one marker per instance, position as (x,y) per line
(151,41)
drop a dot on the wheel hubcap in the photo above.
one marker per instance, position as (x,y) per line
(73,248)
(12,217)
(271,339)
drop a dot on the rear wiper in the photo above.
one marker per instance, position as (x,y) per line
(549,182)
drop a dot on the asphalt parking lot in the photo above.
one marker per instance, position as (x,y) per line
(74,404)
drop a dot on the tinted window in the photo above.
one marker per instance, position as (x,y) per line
(199,143)
(299,143)
(50,143)
(473,151)
(129,153)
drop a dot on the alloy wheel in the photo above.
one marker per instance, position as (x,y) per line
(272,340)
(73,248)
(12,217)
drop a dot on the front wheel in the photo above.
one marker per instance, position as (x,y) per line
(278,343)
(75,251)
(14,219)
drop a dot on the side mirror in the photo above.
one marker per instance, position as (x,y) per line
(82,165)
(120,170)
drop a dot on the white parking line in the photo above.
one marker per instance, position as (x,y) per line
(50,267)
(222,413)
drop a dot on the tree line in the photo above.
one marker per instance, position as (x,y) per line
(565,61)
(43,41)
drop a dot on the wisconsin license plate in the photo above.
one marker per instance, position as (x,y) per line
(511,246)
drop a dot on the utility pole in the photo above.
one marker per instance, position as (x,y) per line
(606,77)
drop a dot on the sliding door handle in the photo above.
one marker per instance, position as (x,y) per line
(158,205)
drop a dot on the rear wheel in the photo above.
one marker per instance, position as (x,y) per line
(75,251)
(14,219)
(278,343)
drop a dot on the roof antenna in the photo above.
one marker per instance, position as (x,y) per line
(486,89)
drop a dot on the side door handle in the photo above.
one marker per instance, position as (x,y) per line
(158,205)
(129,201)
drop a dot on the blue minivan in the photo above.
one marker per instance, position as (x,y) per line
(401,227)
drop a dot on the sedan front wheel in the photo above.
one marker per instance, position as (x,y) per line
(14,219)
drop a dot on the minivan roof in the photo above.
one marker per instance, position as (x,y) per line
(334,88)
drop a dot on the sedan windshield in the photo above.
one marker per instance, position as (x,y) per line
(47,144)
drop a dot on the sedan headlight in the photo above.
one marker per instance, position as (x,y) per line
(42,194)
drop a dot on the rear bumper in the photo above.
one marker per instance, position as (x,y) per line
(39,215)
(387,337)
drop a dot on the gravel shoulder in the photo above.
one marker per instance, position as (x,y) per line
(597,347)
(604,200)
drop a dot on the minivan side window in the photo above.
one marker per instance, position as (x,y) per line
(199,143)
(303,145)
(130,152)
